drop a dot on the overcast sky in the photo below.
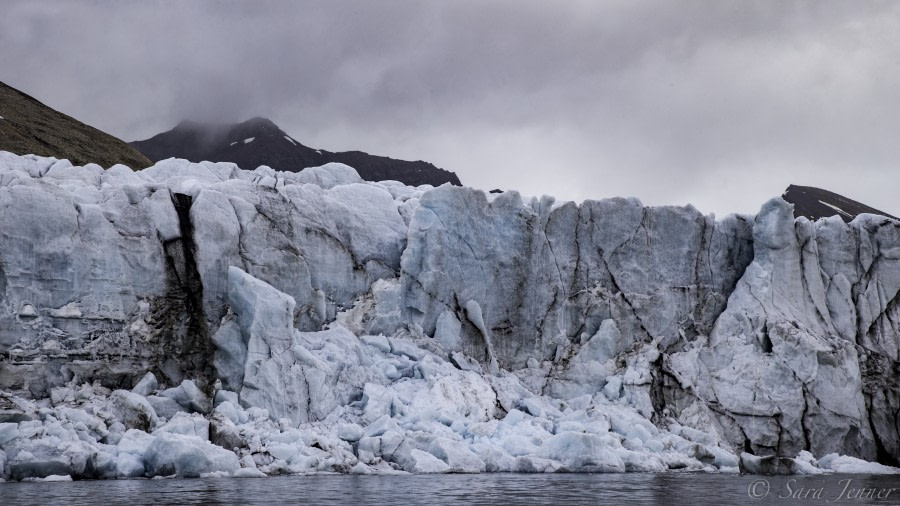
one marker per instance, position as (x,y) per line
(718,103)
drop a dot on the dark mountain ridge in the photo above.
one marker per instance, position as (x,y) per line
(815,203)
(259,141)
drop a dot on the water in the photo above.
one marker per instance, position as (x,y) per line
(667,488)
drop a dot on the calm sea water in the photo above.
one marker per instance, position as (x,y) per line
(669,489)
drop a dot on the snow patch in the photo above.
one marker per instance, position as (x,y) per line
(836,208)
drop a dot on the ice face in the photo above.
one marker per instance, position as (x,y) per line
(313,321)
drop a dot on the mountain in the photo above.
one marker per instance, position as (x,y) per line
(260,142)
(815,203)
(29,127)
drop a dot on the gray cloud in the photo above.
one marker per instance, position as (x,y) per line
(721,104)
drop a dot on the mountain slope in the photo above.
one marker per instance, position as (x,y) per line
(30,127)
(260,142)
(815,203)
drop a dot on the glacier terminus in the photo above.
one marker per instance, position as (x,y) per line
(196,319)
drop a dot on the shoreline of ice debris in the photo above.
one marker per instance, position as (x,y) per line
(431,418)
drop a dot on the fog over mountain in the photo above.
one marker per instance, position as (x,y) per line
(258,141)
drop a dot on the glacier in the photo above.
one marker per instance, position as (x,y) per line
(196,319)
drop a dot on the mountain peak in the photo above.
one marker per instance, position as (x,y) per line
(255,127)
(260,122)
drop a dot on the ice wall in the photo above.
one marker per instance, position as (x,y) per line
(777,335)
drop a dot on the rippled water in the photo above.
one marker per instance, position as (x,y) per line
(668,488)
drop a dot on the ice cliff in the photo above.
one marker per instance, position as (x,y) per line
(197,319)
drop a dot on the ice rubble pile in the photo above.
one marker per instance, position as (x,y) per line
(197,319)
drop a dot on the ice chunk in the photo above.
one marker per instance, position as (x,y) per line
(225,396)
(377,401)
(186,424)
(232,412)
(164,407)
(531,464)
(420,462)
(188,396)
(495,459)
(70,310)
(52,477)
(187,457)
(8,432)
(249,472)
(582,452)
(457,455)
(329,175)
(133,410)
(852,465)
(405,348)
(465,363)
(361,468)
(807,464)
(46,457)
(380,426)
(28,311)
(224,433)
(771,465)
(265,317)
(349,432)
(129,466)
(59,395)
(146,386)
